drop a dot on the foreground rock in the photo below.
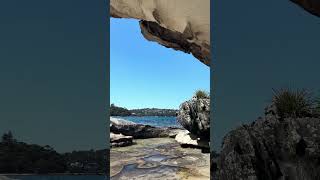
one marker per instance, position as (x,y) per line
(312,6)
(119,140)
(194,115)
(158,158)
(183,25)
(186,139)
(271,149)
(140,131)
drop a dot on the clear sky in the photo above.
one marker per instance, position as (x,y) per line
(52,72)
(146,74)
(260,45)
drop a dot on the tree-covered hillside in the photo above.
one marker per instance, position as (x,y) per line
(19,157)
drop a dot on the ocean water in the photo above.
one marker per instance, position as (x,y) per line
(54,177)
(158,121)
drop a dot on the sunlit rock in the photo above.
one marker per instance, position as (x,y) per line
(119,140)
(194,116)
(179,24)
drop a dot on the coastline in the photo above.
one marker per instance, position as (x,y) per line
(154,156)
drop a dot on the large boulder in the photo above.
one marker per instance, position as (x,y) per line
(194,115)
(183,25)
(271,148)
(140,131)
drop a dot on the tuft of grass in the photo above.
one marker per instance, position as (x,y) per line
(290,103)
(200,94)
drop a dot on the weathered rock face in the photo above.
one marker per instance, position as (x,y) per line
(312,6)
(180,24)
(271,149)
(194,115)
(119,140)
(139,131)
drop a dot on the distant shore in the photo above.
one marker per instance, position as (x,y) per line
(122,111)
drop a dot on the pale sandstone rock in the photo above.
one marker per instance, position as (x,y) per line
(179,24)
(119,140)
(185,138)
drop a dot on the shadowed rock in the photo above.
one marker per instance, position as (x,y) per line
(270,149)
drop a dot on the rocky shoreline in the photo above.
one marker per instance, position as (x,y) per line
(193,115)
(148,152)
(124,133)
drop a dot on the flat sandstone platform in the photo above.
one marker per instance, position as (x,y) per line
(158,158)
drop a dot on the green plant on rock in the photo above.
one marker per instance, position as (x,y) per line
(290,103)
(200,94)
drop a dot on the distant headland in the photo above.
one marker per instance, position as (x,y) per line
(121,111)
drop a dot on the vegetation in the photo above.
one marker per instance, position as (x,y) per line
(153,112)
(200,94)
(290,103)
(119,111)
(86,161)
(19,157)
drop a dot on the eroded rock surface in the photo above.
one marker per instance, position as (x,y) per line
(140,131)
(158,158)
(180,24)
(271,149)
(194,115)
(312,6)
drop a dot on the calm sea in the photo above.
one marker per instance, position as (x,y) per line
(65,177)
(158,121)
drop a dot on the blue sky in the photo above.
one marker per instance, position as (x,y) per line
(146,74)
